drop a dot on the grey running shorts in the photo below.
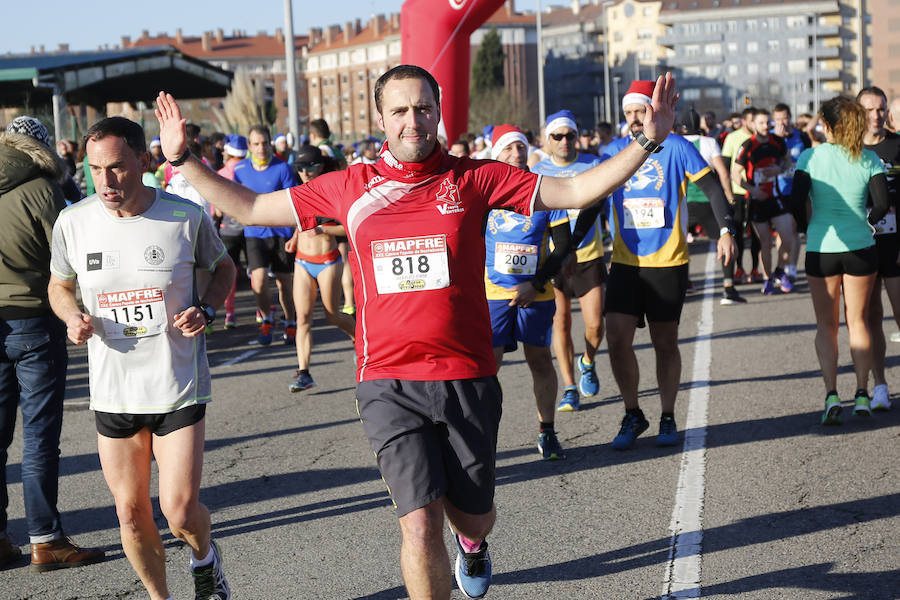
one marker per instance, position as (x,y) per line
(434,439)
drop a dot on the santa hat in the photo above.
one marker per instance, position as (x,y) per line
(504,135)
(563,118)
(235,145)
(639,92)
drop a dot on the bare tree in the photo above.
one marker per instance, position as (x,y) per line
(244,105)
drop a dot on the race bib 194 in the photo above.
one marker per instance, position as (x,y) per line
(132,313)
(515,259)
(644,213)
(412,264)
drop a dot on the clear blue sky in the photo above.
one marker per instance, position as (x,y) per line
(87,24)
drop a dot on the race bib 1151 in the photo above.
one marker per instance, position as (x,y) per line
(132,313)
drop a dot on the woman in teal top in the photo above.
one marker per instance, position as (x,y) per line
(840,249)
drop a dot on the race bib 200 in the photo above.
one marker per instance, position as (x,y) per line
(515,259)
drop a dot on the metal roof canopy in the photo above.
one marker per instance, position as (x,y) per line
(95,78)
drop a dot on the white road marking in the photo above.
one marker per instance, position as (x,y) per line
(682,576)
(238,359)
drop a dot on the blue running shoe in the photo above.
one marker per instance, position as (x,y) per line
(473,570)
(549,446)
(632,427)
(668,432)
(589,385)
(570,400)
(265,333)
(768,288)
(787,286)
(302,381)
(777,275)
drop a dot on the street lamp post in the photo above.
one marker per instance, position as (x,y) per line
(290,64)
(542,112)
(616,80)
(607,98)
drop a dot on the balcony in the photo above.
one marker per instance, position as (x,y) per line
(671,40)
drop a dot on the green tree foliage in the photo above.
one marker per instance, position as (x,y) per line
(487,70)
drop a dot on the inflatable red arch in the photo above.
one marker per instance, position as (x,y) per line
(435,36)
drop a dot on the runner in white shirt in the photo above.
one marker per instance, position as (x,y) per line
(134,251)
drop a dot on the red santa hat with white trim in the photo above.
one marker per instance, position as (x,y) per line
(504,135)
(639,92)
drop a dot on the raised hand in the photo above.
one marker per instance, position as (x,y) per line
(661,111)
(172,135)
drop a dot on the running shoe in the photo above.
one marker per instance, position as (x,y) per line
(777,275)
(230,321)
(861,406)
(589,384)
(348,309)
(755,277)
(208,330)
(632,427)
(768,288)
(668,432)
(730,296)
(881,399)
(549,446)
(259,317)
(832,414)
(895,337)
(570,400)
(290,334)
(473,570)
(209,581)
(739,274)
(265,333)
(302,381)
(787,286)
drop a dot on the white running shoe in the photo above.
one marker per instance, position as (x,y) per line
(895,337)
(881,398)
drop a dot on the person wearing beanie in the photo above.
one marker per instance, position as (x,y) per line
(585,278)
(427,394)
(648,275)
(230,230)
(699,209)
(518,269)
(32,375)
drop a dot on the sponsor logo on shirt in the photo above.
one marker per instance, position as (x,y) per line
(154,255)
(102,260)
(448,194)
(650,173)
(374,181)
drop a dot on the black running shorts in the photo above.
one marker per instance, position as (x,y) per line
(434,439)
(123,425)
(587,276)
(764,210)
(657,292)
(888,249)
(269,253)
(858,263)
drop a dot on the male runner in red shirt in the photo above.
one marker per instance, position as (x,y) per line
(428,394)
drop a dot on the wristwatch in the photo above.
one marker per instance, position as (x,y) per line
(646,143)
(725,230)
(181,159)
(208,311)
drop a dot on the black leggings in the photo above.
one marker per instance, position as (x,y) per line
(740,225)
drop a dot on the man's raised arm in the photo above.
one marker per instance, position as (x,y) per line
(231,198)
(586,188)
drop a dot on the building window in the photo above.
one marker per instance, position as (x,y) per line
(796,66)
(732,70)
(775,68)
(752,47)
(732,26)
(732,48)
(713,71)
(712,49)
(692,50)
(798,43)
(794,22)
(752,69)
(691,93)
(772,45)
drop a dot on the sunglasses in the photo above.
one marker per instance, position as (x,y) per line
(559,136)
(308,166)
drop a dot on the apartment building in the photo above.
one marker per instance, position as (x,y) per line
(261,55)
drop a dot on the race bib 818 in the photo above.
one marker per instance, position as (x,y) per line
(412,264)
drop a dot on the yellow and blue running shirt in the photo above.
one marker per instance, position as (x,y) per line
(516,245)
(649,213)
(591,247)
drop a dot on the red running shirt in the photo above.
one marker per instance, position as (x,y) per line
(417,256)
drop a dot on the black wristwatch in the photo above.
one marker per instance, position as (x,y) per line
(646,143)
(181,159)
(208,311)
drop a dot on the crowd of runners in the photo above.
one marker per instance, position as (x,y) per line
(435,259)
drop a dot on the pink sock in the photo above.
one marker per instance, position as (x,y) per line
(469,546)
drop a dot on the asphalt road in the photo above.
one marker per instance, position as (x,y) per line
(763,502)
